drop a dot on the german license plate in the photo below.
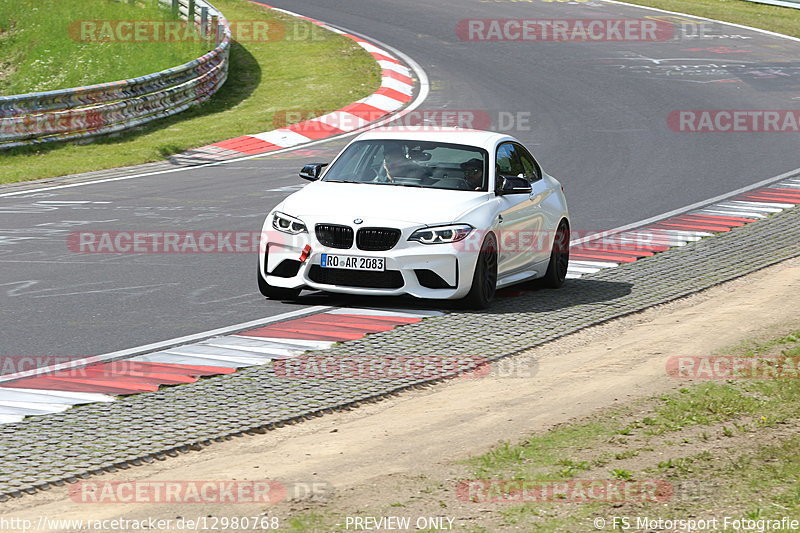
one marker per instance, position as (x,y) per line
(352,262)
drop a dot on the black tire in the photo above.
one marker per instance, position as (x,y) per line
(559,260)
(484,281)
(275,293)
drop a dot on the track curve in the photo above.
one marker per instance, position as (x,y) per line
(596,123)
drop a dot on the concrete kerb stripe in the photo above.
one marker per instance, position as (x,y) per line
(679,227)
(396,80)
(697,205)
(185,363)
(124,354)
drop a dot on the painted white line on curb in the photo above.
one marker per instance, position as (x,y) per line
(50,396)
(681,210)
(741,26)
(281,137)
(164,344)
(591,264)
(752,207)
(400,69)
(732,213)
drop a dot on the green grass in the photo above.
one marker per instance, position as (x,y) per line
(322,72)
(682,439)
(761,480)
(778,19)
(41,47)
(550,449)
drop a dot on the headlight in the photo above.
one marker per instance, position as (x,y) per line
(286,224)
(441,234)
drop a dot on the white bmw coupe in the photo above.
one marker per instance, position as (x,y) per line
(446,213)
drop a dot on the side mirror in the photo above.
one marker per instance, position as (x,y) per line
(311,172)
(513,185)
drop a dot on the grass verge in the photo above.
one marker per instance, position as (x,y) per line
(728,449)
(773,18)
(727,452)
(40,37)
(309,69)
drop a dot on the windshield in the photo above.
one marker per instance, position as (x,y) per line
(406,163)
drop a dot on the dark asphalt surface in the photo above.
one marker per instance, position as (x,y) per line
(597,121)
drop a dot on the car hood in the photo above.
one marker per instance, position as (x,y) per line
(386,202)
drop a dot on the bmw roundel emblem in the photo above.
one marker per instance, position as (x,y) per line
(358,221)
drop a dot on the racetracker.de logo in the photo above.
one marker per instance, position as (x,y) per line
(734,121)
(564,30)
(170,242)
(414,120)
(220,242)
(336,367)
(567,491)
(178,492)
(724,367)
(67,367)
(170,31)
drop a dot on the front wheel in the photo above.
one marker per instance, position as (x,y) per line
(559,260)
(484,281)
(275,293)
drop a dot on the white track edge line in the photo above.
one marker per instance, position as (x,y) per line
(742,26)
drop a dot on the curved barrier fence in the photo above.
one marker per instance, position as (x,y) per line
(69,114)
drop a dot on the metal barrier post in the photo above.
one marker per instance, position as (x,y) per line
(204,21)
(215,28)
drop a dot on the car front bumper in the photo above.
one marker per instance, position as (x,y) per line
(437,271)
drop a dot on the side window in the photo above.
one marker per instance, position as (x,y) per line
(529,166)
(507,161)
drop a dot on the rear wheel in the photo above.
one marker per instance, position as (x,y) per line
(559,260)
(275,293)
(484,281)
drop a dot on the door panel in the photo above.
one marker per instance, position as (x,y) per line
(519,235)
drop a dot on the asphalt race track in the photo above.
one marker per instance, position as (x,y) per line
(598,121)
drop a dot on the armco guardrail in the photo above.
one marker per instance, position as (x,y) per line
(69,114)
